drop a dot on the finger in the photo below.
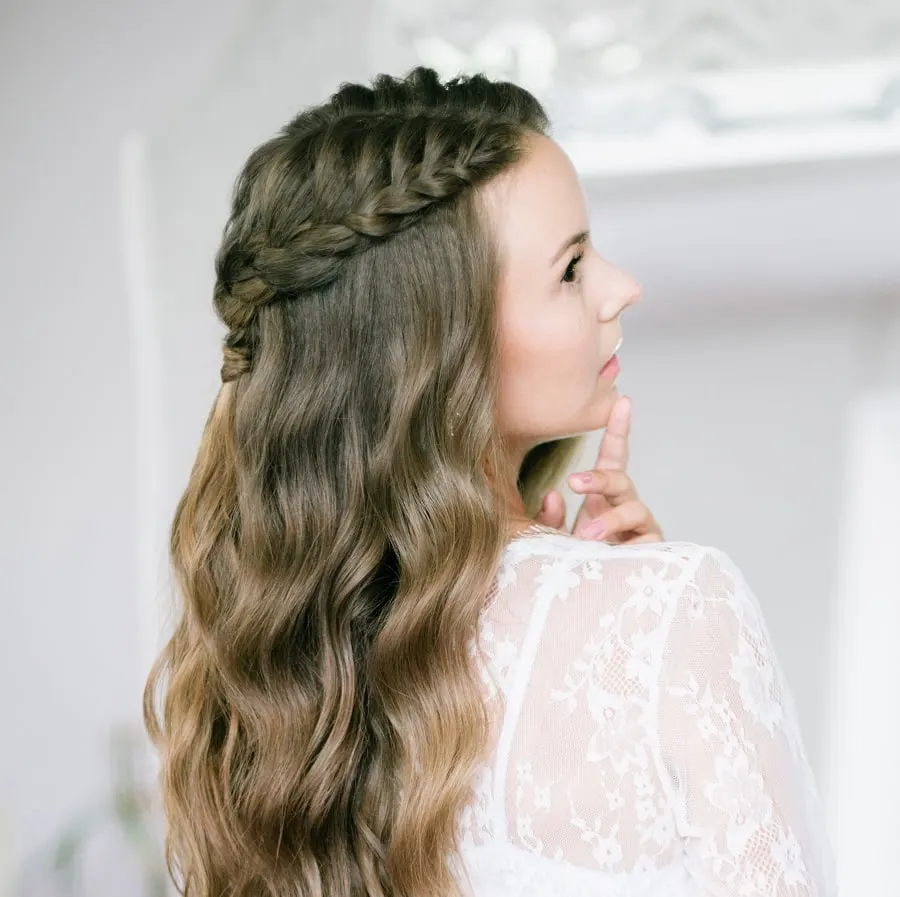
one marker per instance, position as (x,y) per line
(633,517)
(615,486)
(606,489)
(553,511)
(613,451)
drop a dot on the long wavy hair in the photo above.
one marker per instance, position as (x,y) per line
(317,711)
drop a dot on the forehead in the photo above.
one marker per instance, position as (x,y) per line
(539,202)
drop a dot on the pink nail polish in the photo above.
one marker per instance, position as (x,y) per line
(595,529)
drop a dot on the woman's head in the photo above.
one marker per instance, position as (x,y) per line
(342,523)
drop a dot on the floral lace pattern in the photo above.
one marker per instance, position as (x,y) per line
(644,739)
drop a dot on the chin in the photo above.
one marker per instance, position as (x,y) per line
(595,421)
(605,407)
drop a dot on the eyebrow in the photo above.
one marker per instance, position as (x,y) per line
(572,241)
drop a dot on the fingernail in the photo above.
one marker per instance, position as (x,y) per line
(623,409)
(595,528)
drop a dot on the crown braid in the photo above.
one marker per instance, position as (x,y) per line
(367,165)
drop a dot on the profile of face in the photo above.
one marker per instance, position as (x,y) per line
(559,302)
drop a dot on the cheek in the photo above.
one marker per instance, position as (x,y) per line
(562,346)
(548,368)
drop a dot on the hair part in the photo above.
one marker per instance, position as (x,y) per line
(316,708)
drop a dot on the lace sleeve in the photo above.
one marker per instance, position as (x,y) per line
(730,747)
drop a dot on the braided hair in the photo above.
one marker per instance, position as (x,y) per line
(370,163)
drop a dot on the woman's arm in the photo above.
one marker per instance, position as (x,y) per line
(730,747)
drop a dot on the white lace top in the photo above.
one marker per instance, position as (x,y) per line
(644,740)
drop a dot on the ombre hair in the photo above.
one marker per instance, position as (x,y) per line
(317,710)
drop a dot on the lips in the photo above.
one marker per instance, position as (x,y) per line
(614,352)
(611,368)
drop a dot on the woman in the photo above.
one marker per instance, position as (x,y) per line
(387,676)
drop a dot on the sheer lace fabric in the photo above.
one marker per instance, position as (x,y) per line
(644,740)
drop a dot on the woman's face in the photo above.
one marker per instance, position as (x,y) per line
(559,302)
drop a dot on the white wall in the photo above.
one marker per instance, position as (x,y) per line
(771,308)
(74,77)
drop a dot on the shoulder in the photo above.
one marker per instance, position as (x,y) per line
(549,543)
(562,550)
(553,568)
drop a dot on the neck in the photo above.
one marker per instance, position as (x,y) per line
(518,518)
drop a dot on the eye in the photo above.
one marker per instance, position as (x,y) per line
(569,276)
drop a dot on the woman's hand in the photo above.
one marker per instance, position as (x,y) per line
(611,510)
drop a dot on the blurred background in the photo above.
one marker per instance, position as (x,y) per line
(742,161)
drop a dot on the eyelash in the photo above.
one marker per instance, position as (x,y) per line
(571,268)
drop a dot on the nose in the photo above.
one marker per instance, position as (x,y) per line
(622,290)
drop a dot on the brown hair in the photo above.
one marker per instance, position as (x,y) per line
(321,718)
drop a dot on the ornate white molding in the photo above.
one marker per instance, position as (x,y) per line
(637,87)
(735,119)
